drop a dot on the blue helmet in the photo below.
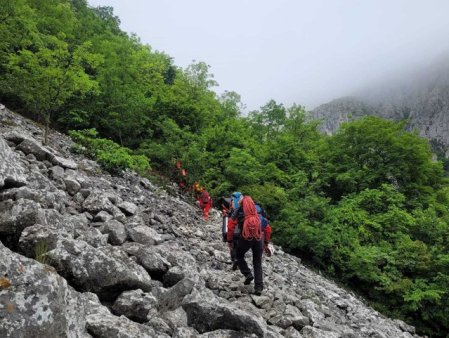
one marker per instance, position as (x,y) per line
(235,199)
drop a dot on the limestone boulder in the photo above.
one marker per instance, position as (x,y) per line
(36,302)
(12,171)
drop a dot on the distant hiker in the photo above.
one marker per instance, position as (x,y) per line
(245,217)
(203,200)
(180,175)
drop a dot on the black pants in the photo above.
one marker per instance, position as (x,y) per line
(256,247)
(235,243)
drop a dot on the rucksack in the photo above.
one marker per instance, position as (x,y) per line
(262,215)
(251,224)
(260,210)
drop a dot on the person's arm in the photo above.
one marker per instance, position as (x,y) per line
(267,234)
(232,223)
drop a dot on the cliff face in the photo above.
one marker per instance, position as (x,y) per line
(421,97)
(119,257)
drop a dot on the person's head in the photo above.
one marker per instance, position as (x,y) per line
(196,187)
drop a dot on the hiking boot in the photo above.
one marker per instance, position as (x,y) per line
(248,280)
(258,291)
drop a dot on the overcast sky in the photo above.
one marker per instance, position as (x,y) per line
(303,51)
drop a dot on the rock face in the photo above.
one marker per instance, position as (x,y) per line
(421,97)
(72,236)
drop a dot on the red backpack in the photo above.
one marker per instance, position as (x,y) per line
(251,223)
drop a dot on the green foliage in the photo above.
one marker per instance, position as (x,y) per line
(371,151)
(109,154)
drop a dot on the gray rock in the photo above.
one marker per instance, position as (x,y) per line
(16,216)
(173,276)
(63,162)
(292,333)
(128,208)
(98,201)
(225,334)
(170,299)
(206,313)
(116,232)
(175,318)
(93,237)
(12,172)
(144,235)
(102,216)
(72,185)
(36,302)
(313,332)
(106,271)
(153,262)
(185,332)
(56,172)
(103,324)
(135,305)
(29,146)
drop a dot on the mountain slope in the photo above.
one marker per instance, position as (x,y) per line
(125,259)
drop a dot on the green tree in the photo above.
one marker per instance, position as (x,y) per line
(47,78)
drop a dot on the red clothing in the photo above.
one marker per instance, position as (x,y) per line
(205,203)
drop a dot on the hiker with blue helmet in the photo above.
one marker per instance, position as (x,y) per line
(251,236)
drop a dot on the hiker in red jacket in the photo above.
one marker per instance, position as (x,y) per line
(180,175)
(252,236)
(204,201)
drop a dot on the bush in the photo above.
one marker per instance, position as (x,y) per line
(109,154)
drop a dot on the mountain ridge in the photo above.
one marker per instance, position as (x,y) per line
(420,97)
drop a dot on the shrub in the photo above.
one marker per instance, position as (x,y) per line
(109,154)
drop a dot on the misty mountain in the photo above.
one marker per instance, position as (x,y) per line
(421,97)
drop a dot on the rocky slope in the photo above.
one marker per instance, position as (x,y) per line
(421,96)
(125,259)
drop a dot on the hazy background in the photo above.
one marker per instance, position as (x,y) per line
(302,51)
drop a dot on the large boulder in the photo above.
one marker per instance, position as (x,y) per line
(30,146)
(16,216)
(107,271)
(144,235)
(101,323)
(116,231)
(36,302)
(12,172)
(98,201)
(205,312)
(135,305)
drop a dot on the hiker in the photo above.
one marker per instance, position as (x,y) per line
(228,206)
(226,211)
(266,230)
(180,176)
(245,217)
(203,200)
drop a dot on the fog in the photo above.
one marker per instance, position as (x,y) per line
(302,51)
